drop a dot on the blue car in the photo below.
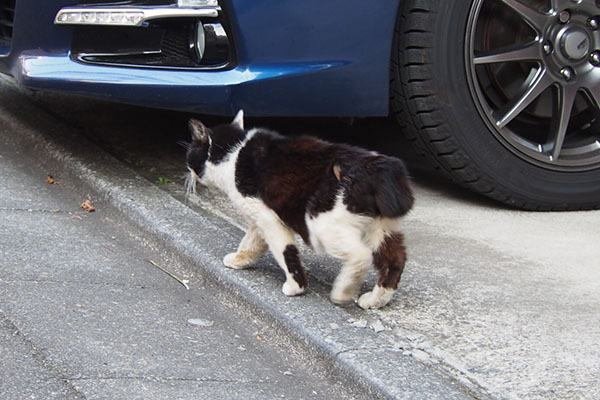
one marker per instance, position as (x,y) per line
(501,95)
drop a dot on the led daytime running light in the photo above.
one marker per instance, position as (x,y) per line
(100,18)
(197,3)
(128,16)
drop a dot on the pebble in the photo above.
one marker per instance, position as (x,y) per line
(200,322)
(420,355)
(378,326)
(360,323)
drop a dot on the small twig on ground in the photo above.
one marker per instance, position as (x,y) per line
(184,282)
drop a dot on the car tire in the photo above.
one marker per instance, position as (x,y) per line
(439,98)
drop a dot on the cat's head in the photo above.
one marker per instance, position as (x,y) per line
(210,144)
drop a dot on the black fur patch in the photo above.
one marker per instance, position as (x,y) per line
(224,139)
(378,186)
(294,265)
(296,176)
(389,261)
(196,156)
(292,176)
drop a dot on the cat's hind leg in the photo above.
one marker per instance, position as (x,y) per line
(389,260)
(340,234)
(356,260)
(249,251)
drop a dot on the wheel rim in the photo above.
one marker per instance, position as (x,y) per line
(533,68)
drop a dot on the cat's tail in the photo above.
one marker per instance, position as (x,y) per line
(393,194)
(380,187)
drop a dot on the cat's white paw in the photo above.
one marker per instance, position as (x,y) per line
(291,288)
(376,298)
(233,260)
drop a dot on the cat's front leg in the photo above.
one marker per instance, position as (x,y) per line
(281,243)
(249,251)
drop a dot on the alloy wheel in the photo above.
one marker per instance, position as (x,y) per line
(533,68)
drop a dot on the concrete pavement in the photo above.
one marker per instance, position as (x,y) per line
(494,303)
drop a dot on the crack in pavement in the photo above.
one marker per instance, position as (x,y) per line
(37,354)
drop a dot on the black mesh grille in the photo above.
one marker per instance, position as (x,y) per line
(7,17)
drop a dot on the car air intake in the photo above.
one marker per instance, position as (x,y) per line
(7,17)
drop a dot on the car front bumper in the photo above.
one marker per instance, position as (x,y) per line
(310,58)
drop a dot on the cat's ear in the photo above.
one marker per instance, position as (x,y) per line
(239,119)
(199,131)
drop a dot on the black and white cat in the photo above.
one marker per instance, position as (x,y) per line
(340,199)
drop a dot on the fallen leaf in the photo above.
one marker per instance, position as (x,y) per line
(51,181)
(262,339)
(87,206)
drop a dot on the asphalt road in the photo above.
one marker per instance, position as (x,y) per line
(85,314)
(496,302)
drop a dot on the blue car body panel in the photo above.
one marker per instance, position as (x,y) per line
(293,58)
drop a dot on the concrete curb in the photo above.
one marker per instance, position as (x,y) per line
(311,323)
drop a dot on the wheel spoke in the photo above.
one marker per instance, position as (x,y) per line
(523,52)
(594,95)
(563,105)
(534,86)
(532,16)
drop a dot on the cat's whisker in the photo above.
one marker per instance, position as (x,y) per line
(184,143)
(191,180)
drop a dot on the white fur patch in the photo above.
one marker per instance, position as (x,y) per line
(342,234)
(376,298)
(291,288)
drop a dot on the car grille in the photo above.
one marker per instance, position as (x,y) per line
(7,17)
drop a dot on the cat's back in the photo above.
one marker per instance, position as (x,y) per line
(307,174)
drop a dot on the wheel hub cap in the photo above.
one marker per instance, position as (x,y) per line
(575,43)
